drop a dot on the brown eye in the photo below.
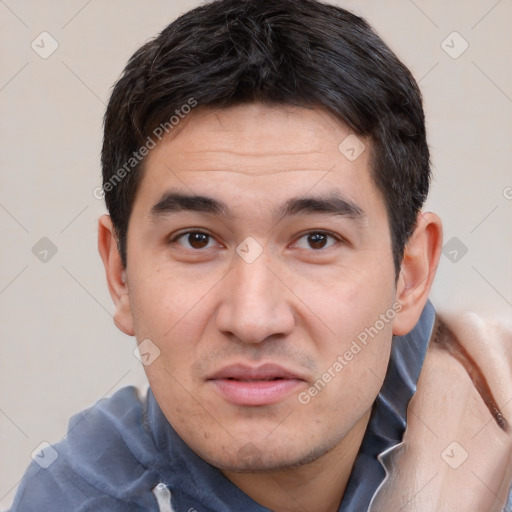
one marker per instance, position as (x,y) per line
(316,240)
(194,240)
(198,240)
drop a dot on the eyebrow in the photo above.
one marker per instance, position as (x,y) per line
(333,204)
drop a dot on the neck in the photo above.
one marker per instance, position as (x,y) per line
(319,485)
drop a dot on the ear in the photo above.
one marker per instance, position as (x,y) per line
(116,275)
(419,265)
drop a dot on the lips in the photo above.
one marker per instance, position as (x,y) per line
(255,386)
(247,373)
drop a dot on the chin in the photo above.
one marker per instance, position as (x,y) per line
(263,456)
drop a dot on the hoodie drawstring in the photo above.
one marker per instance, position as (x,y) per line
(163,498)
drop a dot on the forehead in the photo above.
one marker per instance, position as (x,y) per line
(266,152)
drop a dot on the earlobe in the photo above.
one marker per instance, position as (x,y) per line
(419,265)
(116,275)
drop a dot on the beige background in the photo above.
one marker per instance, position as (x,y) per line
(60,351)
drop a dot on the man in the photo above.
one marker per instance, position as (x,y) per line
(264,166)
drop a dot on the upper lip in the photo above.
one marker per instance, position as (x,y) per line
(264,372)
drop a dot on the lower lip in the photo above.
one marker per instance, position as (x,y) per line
(263,392)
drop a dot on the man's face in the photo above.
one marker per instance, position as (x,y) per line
(253,295)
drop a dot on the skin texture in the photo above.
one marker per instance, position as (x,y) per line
(298,304)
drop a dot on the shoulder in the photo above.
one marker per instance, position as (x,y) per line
(78,473)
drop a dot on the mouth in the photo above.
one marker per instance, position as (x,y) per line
(248,386)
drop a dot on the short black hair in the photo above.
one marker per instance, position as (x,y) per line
(288,52)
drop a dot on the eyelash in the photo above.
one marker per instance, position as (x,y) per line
(337,238)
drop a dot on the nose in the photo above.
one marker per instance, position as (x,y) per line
(255,303)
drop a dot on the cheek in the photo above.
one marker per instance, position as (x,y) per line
(353,349)
(348,302)
(174,315)
(349,383)
(163,301)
